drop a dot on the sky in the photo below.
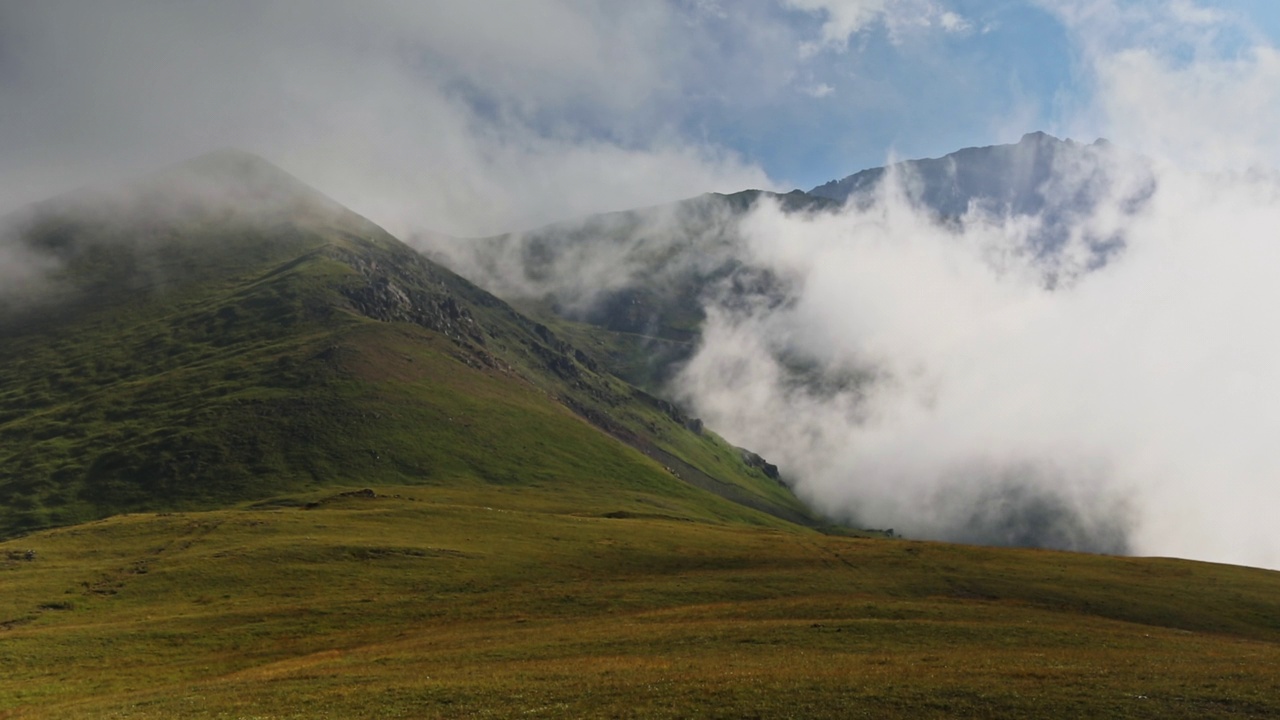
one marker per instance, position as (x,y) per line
(480,117)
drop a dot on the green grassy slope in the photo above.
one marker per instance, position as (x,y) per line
(220,332)
(494,601)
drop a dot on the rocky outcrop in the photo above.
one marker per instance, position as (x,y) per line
(396,293)
(756,462)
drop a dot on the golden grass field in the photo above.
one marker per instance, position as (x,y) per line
(484,602)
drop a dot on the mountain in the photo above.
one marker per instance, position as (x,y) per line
(1039,176)
(631,287)
(219,332)
(635,290)
(627,287)
(1016,178)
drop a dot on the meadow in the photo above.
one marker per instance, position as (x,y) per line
(484,601)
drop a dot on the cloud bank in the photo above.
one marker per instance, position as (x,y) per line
(465,118)
(1130,407)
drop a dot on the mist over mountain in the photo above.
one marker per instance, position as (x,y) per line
(653,290)
(646,271)
(218,331)
(641,274)
(967,348)
(1051,182)
(649,275)
(1021,178)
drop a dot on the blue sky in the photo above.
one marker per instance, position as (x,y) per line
(923,97)
(478,117)
(1015,68)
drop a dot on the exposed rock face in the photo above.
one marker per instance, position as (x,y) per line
(396,293)
(755,461)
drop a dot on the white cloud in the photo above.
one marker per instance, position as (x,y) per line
(1135,409)
(1188,13)
(469,117)
(1217,114)
(1106,26)
(1169,83)
(843,19)
(953,23)
(1136,406)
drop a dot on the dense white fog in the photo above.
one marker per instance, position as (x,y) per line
(1131,408)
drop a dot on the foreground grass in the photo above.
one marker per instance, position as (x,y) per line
(476,602)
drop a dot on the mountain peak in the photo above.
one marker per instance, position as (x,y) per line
(1038,136)
(234,177)
(1005,177)
(228,162)
(220,182)
(204,218)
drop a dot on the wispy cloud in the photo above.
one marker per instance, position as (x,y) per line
(843,19)
(953,23)
(819,90)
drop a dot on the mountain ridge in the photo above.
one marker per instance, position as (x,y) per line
(216,340)
(636,290)
(1007,175)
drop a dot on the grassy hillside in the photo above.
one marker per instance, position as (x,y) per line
(498,601)
(220,332)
